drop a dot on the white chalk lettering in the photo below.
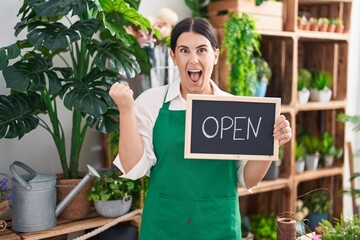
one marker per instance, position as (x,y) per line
(217,127)
(222,125)
(238,123)
(237,129)
(252,127)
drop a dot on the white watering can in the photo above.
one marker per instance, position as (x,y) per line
(34,202)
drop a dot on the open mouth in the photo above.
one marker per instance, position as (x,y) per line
(194,75)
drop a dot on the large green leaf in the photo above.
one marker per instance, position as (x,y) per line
(86,28)
(53,36)
(32,73)
(106,123)
(8,53)
(89,96)
(3,59)
(115,57)
(51,8)
(17,114)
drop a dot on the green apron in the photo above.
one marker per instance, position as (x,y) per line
(188,198)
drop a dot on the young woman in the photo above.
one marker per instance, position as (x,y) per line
(187,199)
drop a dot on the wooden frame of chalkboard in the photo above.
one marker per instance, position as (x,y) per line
(231,127)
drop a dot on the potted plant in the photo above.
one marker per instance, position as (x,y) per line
(300,153)
(339,25)
(328,150)
(314,26)
(5,195)
(321,83)
(343,229)
(240,42)
(263,74)
(332,25)
(319,206)
(323,24)
(111,194)
(312,147)
(96,51)
(304,80)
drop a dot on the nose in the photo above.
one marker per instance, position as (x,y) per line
(194,58)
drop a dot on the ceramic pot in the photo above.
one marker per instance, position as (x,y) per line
(328,161)
(261,88)
(312,162)
(113,208)
(300,166)
(315,219)
(303,96)
(320,95)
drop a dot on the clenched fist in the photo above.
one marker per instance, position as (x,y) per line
(122,95)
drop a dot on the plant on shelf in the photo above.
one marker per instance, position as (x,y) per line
(300,153)
(320,86)
(96,51)
(263,74)
(332,25)
(323,24)
(312,147)
(328,150)
(339,25)
(113,195)
(343,229)
(240,42)
(318,204)
(304,80)
(264,227)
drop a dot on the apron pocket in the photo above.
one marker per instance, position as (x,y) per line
(178,218)
(220,219)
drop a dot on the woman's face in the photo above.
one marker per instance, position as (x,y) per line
(195,59)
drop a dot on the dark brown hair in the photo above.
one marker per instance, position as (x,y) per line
(196,25)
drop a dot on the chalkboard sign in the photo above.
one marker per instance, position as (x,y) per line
(231,127)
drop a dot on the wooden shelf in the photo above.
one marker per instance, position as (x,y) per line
(323,1)
(321,36)
(314,106)
(277,33)
(65,227)
(286,109)
(265,186)
(319,173)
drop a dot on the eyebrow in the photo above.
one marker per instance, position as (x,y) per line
(200,46)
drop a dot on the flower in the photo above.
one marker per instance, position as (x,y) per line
(301,210)
(5,192)
(166,19)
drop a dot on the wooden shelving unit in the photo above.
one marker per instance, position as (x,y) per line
(286,51)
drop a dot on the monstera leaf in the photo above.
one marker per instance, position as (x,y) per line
(18,114)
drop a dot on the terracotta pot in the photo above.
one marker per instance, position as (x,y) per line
(339,28)
(314,27)
(323,28)
(79,207)
(331,28)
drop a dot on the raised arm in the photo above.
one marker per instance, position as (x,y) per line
(131,146)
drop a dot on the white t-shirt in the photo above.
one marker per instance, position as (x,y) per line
(147,107)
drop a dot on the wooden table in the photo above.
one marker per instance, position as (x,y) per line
(65,227)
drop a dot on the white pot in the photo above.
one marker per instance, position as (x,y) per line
(320,95)
(113,208)
(312,162)
(303,96)
(328,161)
(300,166)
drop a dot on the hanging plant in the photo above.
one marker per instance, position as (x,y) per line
(240,42)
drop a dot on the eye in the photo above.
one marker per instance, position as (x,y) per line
(202,50)
(184,50)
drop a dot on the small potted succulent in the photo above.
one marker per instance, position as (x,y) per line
(263,73)
(112,195)
(314,24)
(323,24)
(304,79)
(318,204)
(332,25)
(328,150)
(339,25)
(300,153)
(312,147)
(321,83)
